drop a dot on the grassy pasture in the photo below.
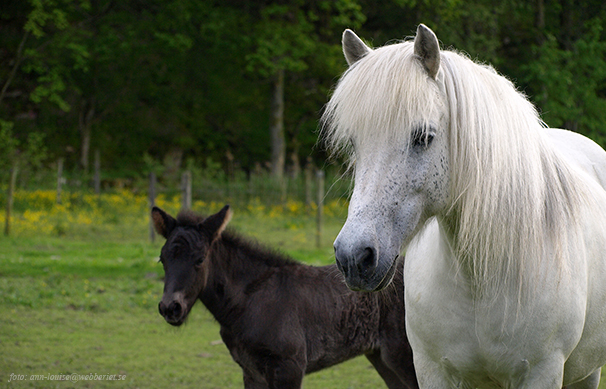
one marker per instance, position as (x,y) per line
(80,284)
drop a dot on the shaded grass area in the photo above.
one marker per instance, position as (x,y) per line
(86,302)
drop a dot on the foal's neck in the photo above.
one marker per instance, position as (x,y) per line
(236,265)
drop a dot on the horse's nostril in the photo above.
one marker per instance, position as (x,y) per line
(177,310)
(174,310)
(366,260)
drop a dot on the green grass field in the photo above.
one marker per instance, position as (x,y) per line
(79,297)
(79,289)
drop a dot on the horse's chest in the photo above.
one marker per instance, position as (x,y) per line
(482,342)
(472,351)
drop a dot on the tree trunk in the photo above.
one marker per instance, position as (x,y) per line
(567,37)
(152,203)
(540,38)
(540,21)
(276,127)
(87,112)
(17,62)
(567,27)
(10,195)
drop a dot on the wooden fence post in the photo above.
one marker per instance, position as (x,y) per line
(59,179)
(230,174)
(320,216)
(97,177)
(186,189)
(283,182)
(10,196)
(308,184)
(152,203)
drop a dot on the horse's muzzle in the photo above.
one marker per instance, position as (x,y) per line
(361,268)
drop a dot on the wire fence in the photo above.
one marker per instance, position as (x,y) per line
(309,190)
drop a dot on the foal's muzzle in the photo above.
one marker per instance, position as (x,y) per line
(174,312)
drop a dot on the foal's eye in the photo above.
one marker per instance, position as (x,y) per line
(421,138)
(199,261)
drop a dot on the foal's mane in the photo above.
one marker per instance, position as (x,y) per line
(187,218)
(514,200)
(256,252)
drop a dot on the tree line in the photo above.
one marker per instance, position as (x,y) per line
(241,83)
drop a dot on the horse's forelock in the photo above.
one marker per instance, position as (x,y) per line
(379,100)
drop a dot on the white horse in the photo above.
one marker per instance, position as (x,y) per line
(503,219)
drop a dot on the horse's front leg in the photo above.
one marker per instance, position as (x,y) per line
(591,382)
(546,374)
(433,375)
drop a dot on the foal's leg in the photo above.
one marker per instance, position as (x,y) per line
(391,379)
(396,355)
(284,374)
(590,382)
(251,383)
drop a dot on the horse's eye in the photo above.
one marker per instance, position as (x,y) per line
(199,261)
(422,138)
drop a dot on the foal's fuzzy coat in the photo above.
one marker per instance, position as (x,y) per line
(279,318)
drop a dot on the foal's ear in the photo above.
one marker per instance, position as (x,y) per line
(214,225)
(427,49)
(164,224)
(353,47)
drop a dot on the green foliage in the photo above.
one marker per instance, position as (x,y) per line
(8,144)
(573,82)
(61,50)
(286,34)
(194,76)
(29,153)
(51,13)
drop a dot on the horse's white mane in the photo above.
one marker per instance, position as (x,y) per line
(514,201)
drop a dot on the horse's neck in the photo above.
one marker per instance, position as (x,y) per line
(463,265)
(231,269)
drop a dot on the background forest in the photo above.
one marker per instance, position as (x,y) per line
(238,85)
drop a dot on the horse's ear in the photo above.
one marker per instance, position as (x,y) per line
(353,47)
(164,224)
(214,225)
(427,48)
